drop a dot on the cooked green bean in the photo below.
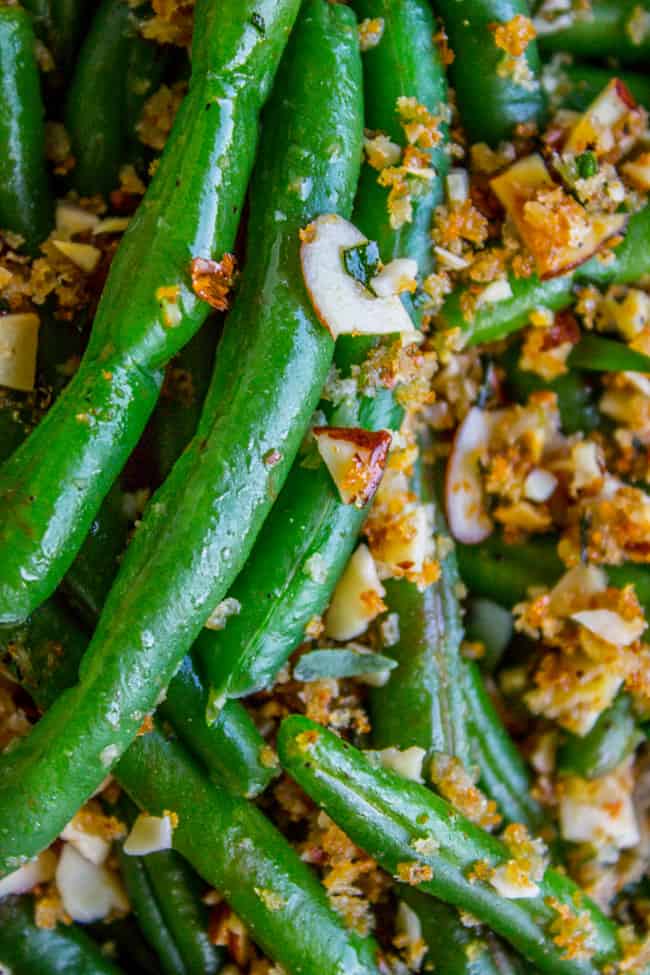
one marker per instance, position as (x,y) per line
(200,525)
(25,200)
(53,485)
(415,834)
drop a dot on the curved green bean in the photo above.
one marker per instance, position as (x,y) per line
(200,525)
(276,590)
(51,488)
(25,202)
(492,96)
(605,30)
(26,948)
(106,94)
(413,833)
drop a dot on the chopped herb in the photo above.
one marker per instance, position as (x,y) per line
(319,664)
(362,262)
(587,165)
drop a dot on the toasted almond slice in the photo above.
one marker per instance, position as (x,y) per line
(18,350)
(149,834)
(468,520)
(355,458)
(407,762)
(343,304)
(610,626)
(357,598)
(539,485)
(89,892)
(604,125)
(524,185)
(72,219)
(37,871)
(85,256)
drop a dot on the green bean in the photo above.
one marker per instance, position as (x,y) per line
(587,82)
(178,891)
(503,572)
(491,625)
(231,747)
(427,684)
(233,847)
(576,395)
(491,98)
(25,201)
(200,525)
(26,949)
(165,894)
(44,652)
(60,24)
(412,832)
(459,950)
(149,914)
(123,941)
(115,72)
(614,736)
(504,775)
(277,592)
(606,355)
(605,30)
(496,320)
(51,488)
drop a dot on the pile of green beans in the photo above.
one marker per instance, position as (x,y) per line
(112,627)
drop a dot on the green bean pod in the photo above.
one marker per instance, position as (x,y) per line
(60,25)
(165,894)
(26,949)
(51,488)
(503,572)
(395,821)
(427,685)
(586,82)
(276,591)
(459,950)
(491,99)
(496,320)
(614,736)
(576,396)
(504,776)
(178,892)
(199,527)
(604,30)
(231,747)
(100,113)
(233,847)
(25,202)
(149,914)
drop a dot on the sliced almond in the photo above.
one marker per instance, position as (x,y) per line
(610,626)
(355,458)
(72,219)
(395,278)
(343,304)
(357,598)
(539,485)
(525,183)
(89,892)
(607,123)
(18,350)
(85,256)
(149,834)
(37,871)
(468,519)
(407,762)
